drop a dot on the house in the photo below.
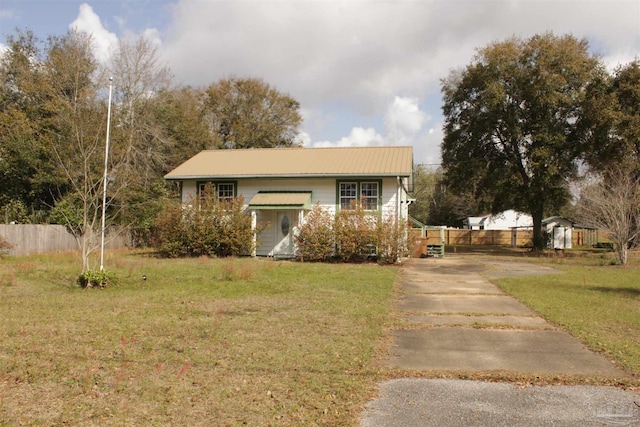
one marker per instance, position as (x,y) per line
(501,221)
(280,185)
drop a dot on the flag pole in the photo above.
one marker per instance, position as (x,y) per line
(104,180)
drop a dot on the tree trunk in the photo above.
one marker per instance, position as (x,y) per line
(539,238)
(622,252)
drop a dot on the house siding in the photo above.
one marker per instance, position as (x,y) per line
(323,192)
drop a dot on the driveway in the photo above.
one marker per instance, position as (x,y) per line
(456,321)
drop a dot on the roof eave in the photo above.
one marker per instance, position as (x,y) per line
(350,175)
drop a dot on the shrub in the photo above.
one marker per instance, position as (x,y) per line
(4,246)
(315,239)
(355,234)
(392,240)
(96,279)
(205,227)
(169,232)
(351,236)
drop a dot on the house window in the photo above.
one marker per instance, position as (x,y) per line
(369,195)
(365,192)
(224,191)
(348,195)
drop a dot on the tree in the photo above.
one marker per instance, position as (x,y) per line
(424,182)
(614,119)
(248,113)
(139,138)
(75,124)
(182,113)
(26,172)
(613,204)
(514,128)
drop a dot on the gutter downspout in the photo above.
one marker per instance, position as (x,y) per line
(399,201)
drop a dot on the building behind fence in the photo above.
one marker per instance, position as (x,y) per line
(517,237)
(28,239)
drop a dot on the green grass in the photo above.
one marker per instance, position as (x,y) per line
(595,301)
(200,342)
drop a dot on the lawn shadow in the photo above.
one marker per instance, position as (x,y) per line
(631,292)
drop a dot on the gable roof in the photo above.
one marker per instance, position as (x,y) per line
(296,162)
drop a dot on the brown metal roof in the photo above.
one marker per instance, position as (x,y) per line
(297,162)
(266,200)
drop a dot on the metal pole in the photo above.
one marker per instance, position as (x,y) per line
(104,180)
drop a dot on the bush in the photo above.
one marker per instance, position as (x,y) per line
(355,234)
(315,237)
(169,232)
(96,279)
(351,236)
(392,240)
(4,246)
(205,227)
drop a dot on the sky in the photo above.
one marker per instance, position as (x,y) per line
(366,72)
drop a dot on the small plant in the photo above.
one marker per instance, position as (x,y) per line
(4,247)
(231,272)
(96,279)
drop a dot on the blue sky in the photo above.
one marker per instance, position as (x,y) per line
(366,72)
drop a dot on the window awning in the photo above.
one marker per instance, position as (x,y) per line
(281,200)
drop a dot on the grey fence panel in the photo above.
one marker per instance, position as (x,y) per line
(30,239)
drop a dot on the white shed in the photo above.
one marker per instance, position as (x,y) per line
(559,231)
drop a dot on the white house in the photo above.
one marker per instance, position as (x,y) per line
(501,221)
(280,185)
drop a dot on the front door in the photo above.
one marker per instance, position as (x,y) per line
(284,234)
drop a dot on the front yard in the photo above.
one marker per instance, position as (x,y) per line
(199,342)
(243,341)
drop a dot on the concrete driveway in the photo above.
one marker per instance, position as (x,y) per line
(458,321)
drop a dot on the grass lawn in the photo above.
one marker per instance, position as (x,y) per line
(200,342)
(595,301)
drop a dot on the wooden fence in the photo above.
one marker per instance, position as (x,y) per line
(515,237)
(28,239)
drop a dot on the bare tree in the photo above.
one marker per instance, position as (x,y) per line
(75,124)
(139,137)
(613,204)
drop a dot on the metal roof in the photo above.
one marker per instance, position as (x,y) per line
(279,200)
(296,162)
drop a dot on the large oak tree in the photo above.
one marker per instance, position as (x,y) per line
(514,123)
(249,113)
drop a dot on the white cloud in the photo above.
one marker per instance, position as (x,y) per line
(367,69)
(404,120)
(344,61)
(404,124)
(89,22)
(359,137)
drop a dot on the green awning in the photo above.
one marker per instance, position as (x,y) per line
(281,200)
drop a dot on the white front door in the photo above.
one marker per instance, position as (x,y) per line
(284,234)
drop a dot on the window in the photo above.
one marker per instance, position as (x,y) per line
(348,195)
(365,192)
(369,195)
(224,191)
